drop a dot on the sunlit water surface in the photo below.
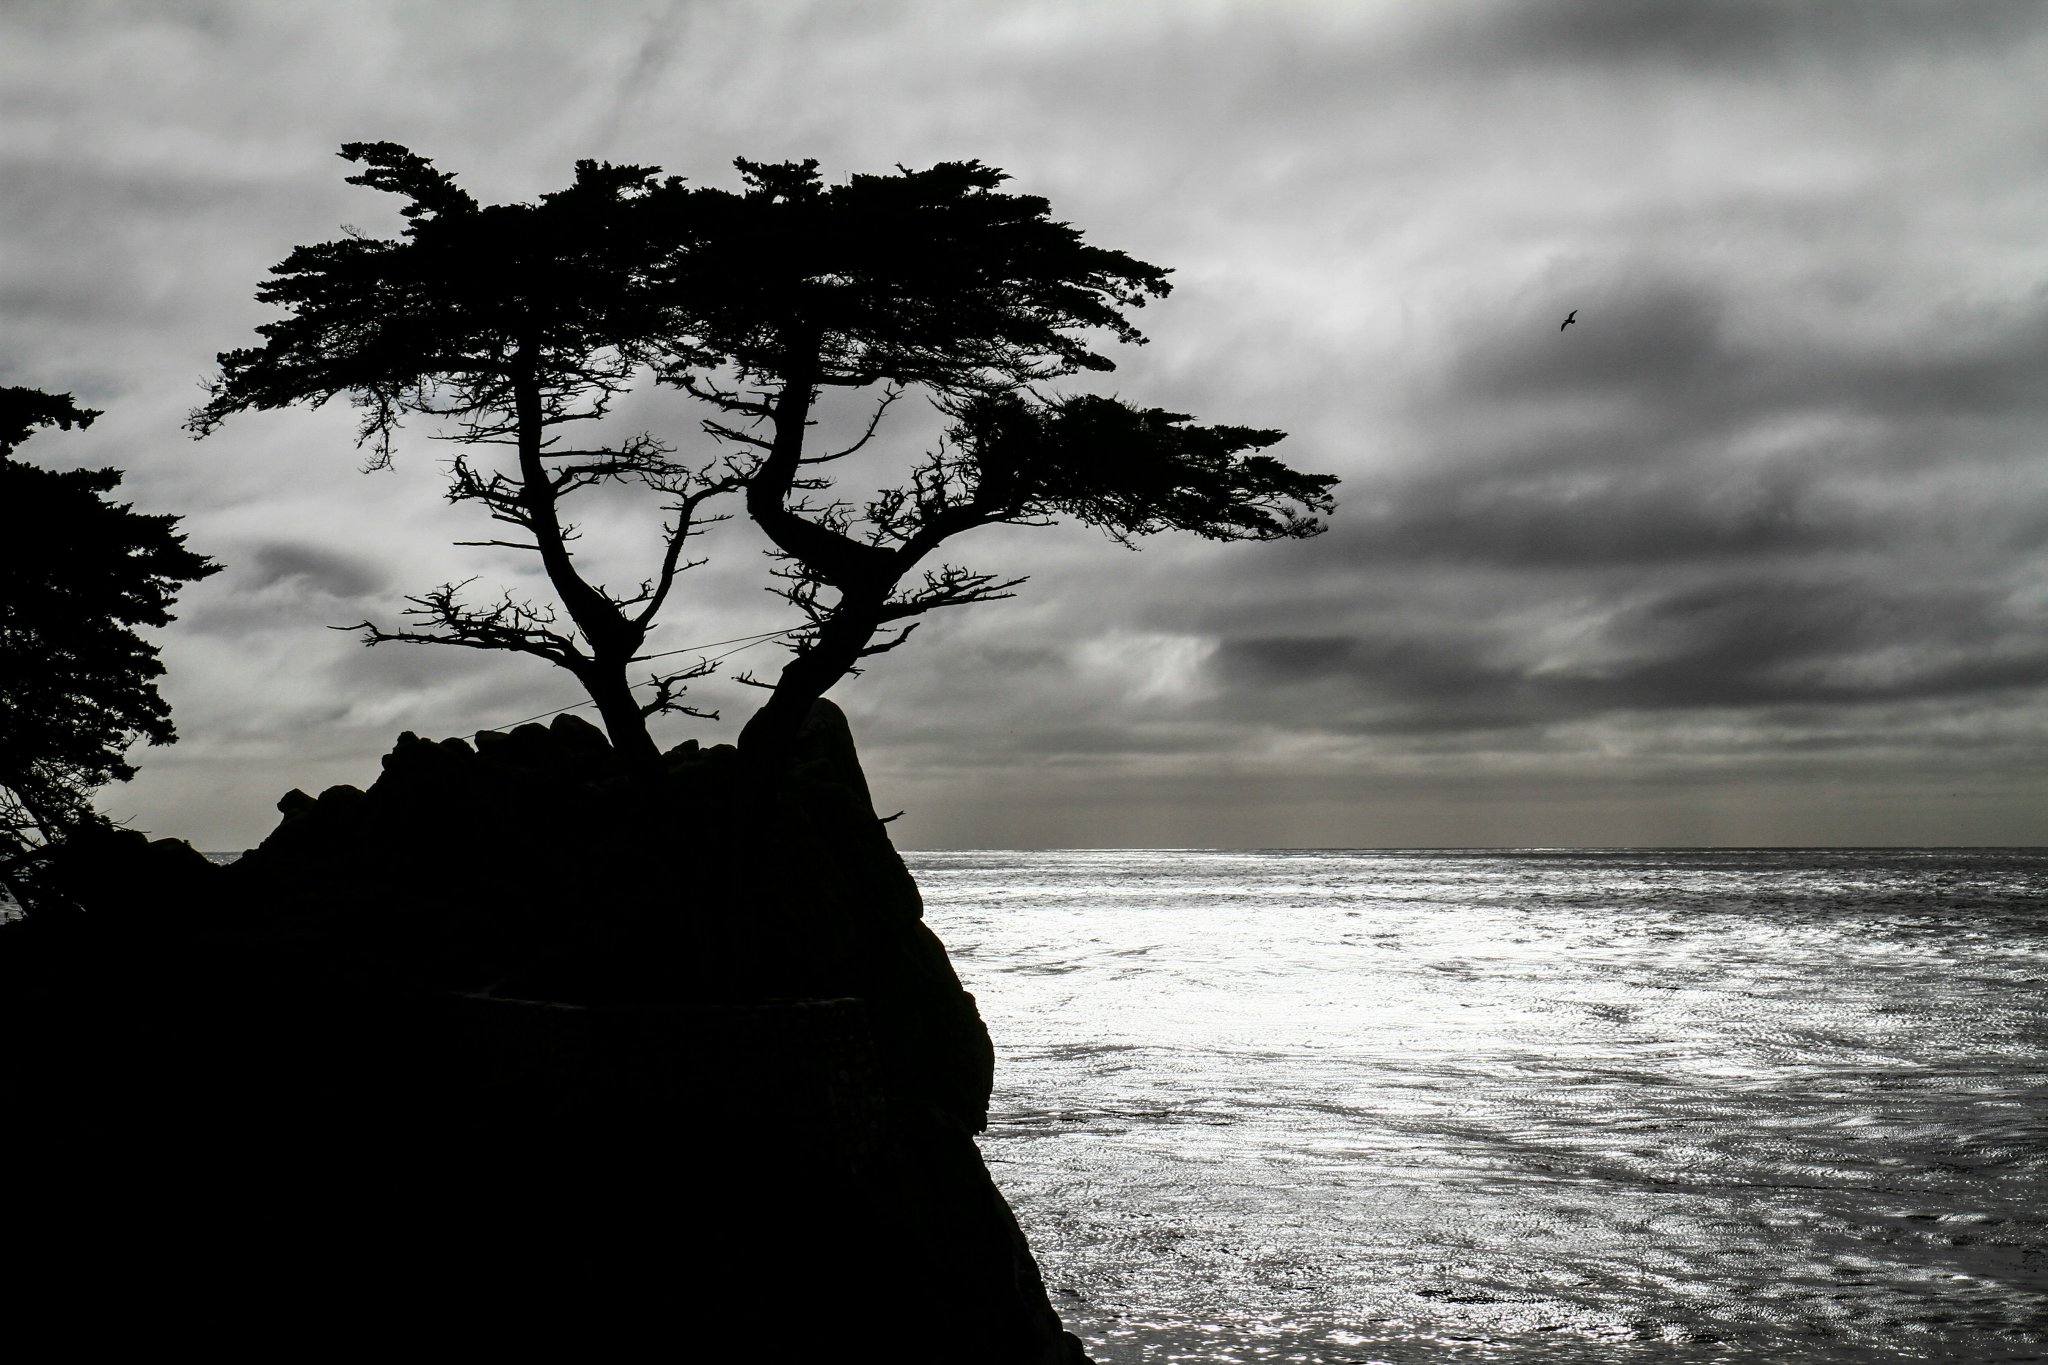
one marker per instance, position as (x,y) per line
(1369,1106)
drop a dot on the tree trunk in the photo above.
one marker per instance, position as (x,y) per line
(766,739)
(621,714)
(769,734)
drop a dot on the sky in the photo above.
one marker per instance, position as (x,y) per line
(1752,554)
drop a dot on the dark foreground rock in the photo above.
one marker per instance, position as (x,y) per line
(516,1051)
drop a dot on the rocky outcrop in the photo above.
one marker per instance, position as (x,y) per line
(520,1047)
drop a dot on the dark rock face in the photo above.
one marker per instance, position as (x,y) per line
(518,1049)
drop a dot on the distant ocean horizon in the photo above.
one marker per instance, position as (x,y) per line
(1413,1105)
(911,852)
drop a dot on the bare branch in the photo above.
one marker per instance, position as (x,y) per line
(509,624)
(949,586)
(669,688)
(725,433)
(703,387)
(894,392)
(694,489)
(892,642)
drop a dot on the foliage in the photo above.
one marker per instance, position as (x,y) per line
(516,320)
(933,277)
(78,574)
(937,279)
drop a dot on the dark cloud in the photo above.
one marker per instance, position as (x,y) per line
(1650,342)
(1443,668)
(1747,33)
(329,572)
(650,59)
(1754,644)
(281,586)
(1653,355)
(1604,518)
(1771,642)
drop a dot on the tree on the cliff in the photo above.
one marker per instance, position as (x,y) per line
(78,573)
(517,322)
(938,280)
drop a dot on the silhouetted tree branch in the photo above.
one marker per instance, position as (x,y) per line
(511,322)
(936,279)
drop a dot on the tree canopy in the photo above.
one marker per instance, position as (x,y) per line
(78,573)
(935,277)
(514,321)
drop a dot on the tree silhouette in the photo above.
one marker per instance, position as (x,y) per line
(941,280)
(77,573)
(517,320)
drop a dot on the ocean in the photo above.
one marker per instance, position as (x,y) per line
(1570,1106)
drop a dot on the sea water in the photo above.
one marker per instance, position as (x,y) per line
(1534,1106)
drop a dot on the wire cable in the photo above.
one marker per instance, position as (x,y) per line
(692,649)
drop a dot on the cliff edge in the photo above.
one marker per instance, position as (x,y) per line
(516,1049)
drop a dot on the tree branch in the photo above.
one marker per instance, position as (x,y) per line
(509,625)
(888,399)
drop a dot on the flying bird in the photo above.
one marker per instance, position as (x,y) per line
(1569,321)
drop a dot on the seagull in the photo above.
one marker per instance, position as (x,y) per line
(1569,321)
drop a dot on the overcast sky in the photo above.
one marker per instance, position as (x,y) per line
(1751,554)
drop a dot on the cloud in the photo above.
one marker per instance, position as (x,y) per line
(1149,667)
(1771,642)
(1768,519)
(327,572)
(1745,33)
(1605,518)
(1765,646)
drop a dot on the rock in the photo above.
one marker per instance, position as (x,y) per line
(672,1056)
(526,746)
(340,802)
(415,757)
(573,734)
(176,859)
(825,754)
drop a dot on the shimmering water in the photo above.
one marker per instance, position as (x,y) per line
(1366,1106)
